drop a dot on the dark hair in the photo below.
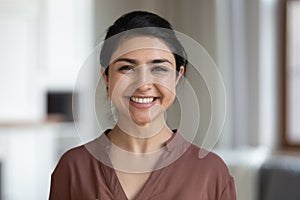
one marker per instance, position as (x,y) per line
(142,23)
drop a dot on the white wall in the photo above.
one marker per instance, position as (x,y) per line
(27,158)
(67,32)
(18,63)
(237,41)
(270,61)
(43,44)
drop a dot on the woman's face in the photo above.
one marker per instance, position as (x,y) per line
(142,79)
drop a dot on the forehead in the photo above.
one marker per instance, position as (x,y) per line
(149,47)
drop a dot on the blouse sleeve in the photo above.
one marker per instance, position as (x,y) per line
(60,182)
(229,192)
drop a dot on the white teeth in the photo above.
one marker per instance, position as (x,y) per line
(142,100)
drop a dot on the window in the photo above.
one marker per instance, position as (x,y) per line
(291,75)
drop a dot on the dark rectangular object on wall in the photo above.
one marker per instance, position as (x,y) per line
(59,105)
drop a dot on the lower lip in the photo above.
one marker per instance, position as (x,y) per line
(142,105)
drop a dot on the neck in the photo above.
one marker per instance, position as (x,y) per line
(130,141)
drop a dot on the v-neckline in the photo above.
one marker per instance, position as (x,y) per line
(146,186)
(117,190)
(148,189)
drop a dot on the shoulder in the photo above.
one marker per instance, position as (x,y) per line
(212,168)
(73,158)
(205,172)
(198,158)
(208,163)
(206,157)
(67,171)
(74,154)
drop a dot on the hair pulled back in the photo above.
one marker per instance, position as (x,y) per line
(141,23)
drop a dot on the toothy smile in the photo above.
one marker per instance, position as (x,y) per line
(142,100)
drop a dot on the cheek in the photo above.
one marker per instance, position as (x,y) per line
(167,88)
(117,86)
(167,82)
(168,95)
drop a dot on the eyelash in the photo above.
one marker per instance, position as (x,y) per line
(128,68)
(160,69)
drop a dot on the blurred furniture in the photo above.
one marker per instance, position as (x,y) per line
(0,182)
(280,178)
(28,155)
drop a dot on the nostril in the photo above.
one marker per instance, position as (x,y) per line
(147,86)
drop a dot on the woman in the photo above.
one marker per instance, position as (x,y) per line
(141,157)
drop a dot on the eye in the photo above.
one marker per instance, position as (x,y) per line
(126,68)
(160,69)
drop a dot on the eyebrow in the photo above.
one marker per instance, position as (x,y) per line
(133,61)
(156,61)
(129,60)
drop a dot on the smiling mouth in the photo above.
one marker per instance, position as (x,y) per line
(143,100)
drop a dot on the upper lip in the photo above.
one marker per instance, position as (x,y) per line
(136,96)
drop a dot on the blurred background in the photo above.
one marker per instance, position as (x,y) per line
(255,44)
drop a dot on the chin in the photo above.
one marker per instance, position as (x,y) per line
(141,121)
(146,120)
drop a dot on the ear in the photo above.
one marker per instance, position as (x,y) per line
(105,77)
(180,73)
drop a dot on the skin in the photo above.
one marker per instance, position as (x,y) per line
(141,67)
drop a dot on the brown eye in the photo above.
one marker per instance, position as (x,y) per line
(160,69)
(126,69)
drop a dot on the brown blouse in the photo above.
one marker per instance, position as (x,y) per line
(80,175)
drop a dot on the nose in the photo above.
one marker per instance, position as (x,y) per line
(145,87)
(144,82)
